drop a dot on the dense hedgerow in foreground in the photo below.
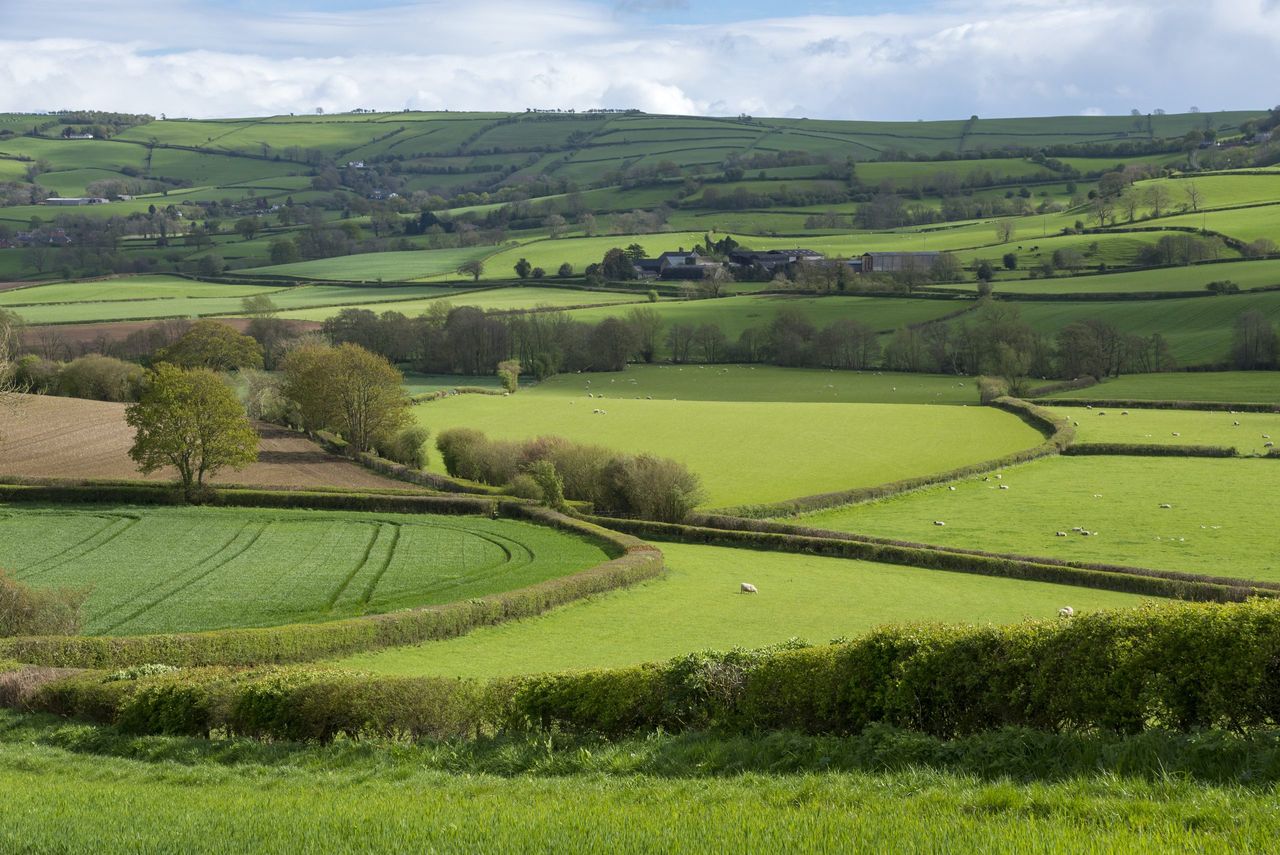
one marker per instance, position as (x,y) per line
(1182,668)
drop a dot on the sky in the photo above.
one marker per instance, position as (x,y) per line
(830,59)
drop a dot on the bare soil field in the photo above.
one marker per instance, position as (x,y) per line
(72,438)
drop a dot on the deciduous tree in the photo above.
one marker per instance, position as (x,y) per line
(192,421)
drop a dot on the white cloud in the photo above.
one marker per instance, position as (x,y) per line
(990,57)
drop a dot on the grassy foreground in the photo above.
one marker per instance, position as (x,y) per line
(697,606)
(72,789)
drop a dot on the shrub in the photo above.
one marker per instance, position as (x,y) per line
(990,388)
(549,482)
(38,611)
(101,378)
(650,488)
(523,486)
(407,447)
(509,374)
(35,374)
(456,447)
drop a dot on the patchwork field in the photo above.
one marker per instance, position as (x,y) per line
(181,569)
(494,299)
(1221,521)
(54,437)
(697,606)
(1248,433)
(749,452)
(1223,386)
(767,383)
(377,266)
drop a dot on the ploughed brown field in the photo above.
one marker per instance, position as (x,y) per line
(45,436)
(79,337)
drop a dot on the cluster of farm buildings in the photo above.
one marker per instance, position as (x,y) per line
(691,265)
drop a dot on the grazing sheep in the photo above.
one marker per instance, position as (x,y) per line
(999,477)
(1235,424)
(1097,495)
(748,588)
(1175,433)
(1088,406)
(1076,528)
(1060,534)
(1101,413)
(952,489)
(938,522)
(1166,505)
(1266,436)
(596,412)
(1268,444)
(589,395)
(1124,412)
(1004,486)
(1066,611)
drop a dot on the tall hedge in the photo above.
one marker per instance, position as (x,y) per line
(1179,667)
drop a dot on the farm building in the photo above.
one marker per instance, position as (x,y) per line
(897,262)
(682,265)
(772,259)
(75,200)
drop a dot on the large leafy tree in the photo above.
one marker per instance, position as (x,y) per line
(346,389)
(209,344)
(192,421)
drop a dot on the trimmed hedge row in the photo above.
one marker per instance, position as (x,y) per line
(1175,667)
(1059,434)
(1212,406)
(633,561)
(1127,580)
(1134,449)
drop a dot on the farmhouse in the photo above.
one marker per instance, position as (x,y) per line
(897,262)
(648,268)
(685,265)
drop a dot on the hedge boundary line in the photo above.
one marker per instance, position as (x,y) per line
(632,561)
(1182,667)
(1133,449)
(1159,583)
(1210,406)
(1058,433)
(399,471)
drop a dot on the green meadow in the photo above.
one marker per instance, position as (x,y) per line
(1224,386)
(512,299)
(748,451)
(1221,521)
(152,570)
(696,605)
(1247,433)
(768,383)
(379,266)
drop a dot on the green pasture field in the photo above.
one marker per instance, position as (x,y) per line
(373,266)
(580,251)
(128,288)
(498,299)
(1222,521)
(1220,190)
(228,301)
(697,606)
(1248,433)
(1246,224)
(152,570)
(735,314)
(750,452)
(72,182)
(79,789)
(1192,278)
(1198,330)
(1261,387)
(768,383)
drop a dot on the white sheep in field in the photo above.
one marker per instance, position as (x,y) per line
(952,489)
(1166,505)
(1060,534)
(1066,611)
(596,412)
(1175,433)
(1004,486)
(938,522)
(748,588)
